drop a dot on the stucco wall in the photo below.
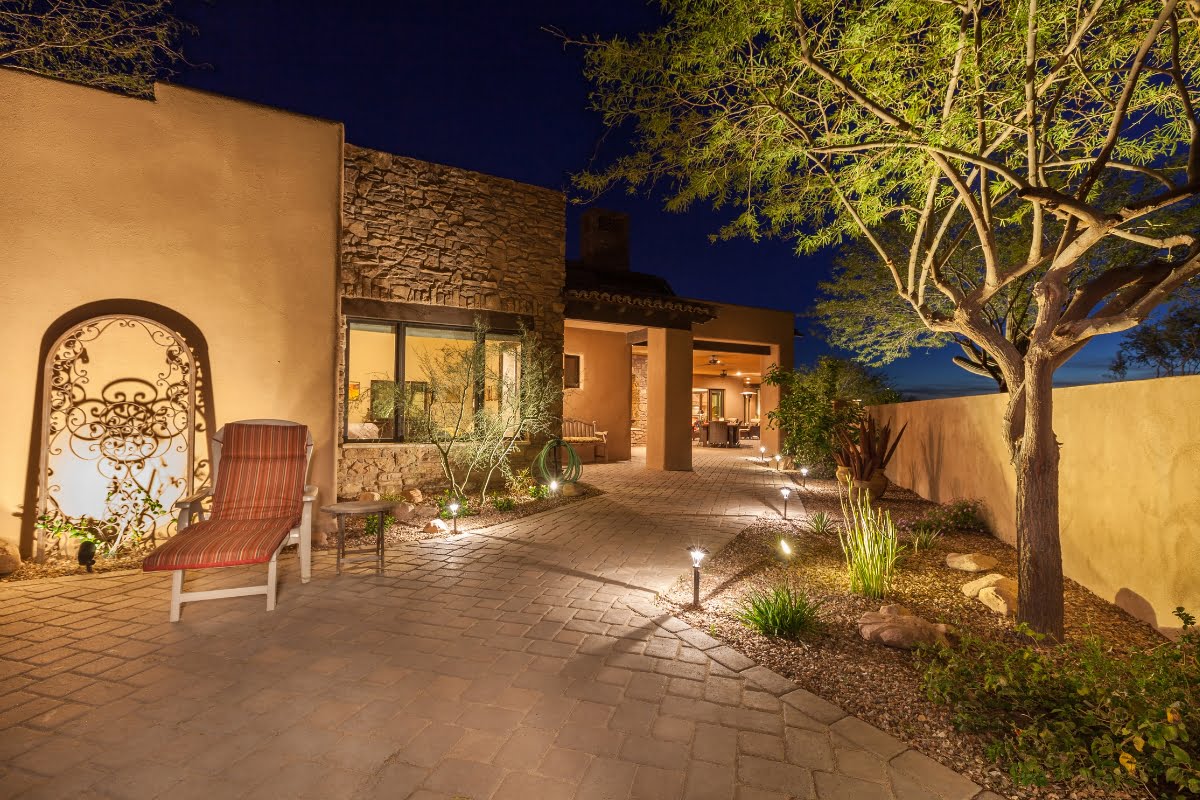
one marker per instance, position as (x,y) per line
(224,211)
(1130,507)
(605,394)
(429,234)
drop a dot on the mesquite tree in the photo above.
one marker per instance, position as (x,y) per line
(1067,127)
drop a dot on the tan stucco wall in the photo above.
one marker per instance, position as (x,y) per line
(224,211)
(605,395)
(756,326)
(1130,501)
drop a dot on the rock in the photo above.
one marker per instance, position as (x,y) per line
(402,512)
(10,557)
(437,526)
(970,562)
(414,496)
(571,490)
(1001,598)
(895,626)
(973,588)
(369,497)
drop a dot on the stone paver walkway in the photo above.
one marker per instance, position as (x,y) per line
(525,662)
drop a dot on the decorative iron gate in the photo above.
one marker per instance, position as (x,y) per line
(121,414)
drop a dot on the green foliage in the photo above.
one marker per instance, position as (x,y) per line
(121,45)
(964,514)
(132,514)
(820,524)
(866,448)
(781,611)
(819,402)
(924,535)
(1079,711)
(503,503)
(443,501)
(371,524)
(869,544)
(539,491)
(1170,346)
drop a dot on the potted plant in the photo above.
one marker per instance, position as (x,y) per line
(863,453)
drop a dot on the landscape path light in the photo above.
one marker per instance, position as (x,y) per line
(803,477)
(778,461)
(697,553)
(453,507)
(762,454)
(786,491)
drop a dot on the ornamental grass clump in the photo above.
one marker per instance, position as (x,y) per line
(869,543)
(781,611)
(820,524)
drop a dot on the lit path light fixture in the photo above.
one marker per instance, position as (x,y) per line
(453,509)
(803,477)
(697,553)
(786,491)
(778,461)
(762,454)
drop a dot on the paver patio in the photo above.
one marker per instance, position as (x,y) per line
(524,662)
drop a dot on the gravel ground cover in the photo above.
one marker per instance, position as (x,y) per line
(880,684)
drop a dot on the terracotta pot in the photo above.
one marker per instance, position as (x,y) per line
(876,486)
(843,475)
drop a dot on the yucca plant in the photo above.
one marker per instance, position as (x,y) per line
(925,534)
(866,449)
(869,543)
(820,523)
(780,611)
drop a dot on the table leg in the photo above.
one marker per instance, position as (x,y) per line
(341,548)
(379,539)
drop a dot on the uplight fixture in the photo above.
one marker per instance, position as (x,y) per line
(786,492)
(697,553)
(785,548)
(553,487)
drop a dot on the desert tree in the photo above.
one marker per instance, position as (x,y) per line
(121,45)
(1170,346)
(1069,127)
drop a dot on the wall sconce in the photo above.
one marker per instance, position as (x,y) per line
(803,477)
(697,553)
(786,492)
(453,509)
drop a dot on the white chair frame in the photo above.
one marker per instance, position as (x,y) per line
(191,509)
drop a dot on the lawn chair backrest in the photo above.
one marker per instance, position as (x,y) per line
(260,467)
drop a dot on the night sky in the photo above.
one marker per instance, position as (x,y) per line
(482,86)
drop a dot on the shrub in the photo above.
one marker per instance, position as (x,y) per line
(820,523)
(958,515)
(447,497)
(781,611)
(503,503)
(371,523)
(924,534)
(538,491)
(1079,711)
(869,544)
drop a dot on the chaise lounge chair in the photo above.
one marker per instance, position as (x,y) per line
(259,504)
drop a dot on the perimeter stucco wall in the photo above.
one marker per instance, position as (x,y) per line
(428,234)
(224,211)
(750,325)
(605,395)
(1130,502)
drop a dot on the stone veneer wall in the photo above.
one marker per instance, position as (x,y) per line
(637,435)
(417,232)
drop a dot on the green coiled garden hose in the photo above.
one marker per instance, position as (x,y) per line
(554,470)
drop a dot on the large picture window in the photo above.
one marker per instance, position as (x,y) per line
(417,383)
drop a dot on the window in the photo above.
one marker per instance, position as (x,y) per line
(572,372)
(716,401)
(410,383)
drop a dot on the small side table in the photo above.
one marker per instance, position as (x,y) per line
(352,508)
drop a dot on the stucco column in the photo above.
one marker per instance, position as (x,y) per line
(768,399)
(668,399)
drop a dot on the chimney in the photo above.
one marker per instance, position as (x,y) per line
(604,239)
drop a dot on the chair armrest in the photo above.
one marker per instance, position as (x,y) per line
(191,500)
(310,493)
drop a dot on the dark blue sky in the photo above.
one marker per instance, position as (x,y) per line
(482,86)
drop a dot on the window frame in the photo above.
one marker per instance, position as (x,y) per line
(399,333)
(578,373)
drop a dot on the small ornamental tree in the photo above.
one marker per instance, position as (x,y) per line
(1049,139)
(1170,346)
(121,45)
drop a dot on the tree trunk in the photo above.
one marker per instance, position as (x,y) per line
(1039,553)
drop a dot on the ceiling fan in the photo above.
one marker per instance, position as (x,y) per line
(713,360)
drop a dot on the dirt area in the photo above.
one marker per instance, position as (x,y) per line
(876,683)
(398,533)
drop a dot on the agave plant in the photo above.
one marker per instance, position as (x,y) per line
(867,449)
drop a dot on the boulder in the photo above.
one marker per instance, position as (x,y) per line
(970,562)
(571,490)
(368,497)
(973,588)
(1001,598)
(896,626)
(414,496)
(403,512)
(437,525)
(10,557)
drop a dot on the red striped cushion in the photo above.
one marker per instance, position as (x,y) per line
(220,543)
(261,473)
